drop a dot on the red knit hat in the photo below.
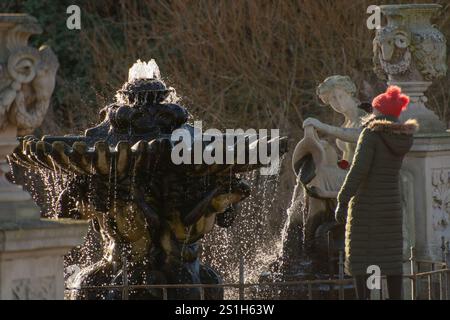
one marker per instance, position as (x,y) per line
(392,102)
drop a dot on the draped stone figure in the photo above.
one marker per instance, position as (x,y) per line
(319,167)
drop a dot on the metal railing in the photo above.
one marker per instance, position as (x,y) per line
(436,277)
(334,285)
(437,280)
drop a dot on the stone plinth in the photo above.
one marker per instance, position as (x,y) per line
(426,185)
(31,257)
(417,108)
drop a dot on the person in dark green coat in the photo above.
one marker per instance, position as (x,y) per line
(369,200)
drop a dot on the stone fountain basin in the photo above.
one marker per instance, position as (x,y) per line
(77,155)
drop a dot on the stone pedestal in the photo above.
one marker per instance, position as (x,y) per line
(417,109)
(32,249)
(426,193)
(31,257)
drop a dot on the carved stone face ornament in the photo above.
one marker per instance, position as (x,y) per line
(391,46)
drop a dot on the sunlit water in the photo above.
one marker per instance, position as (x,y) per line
(251,237)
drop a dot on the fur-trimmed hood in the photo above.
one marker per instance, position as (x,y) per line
(390,124)
(397,136)
(383,125)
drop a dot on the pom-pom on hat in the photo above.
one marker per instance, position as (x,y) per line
(392,102)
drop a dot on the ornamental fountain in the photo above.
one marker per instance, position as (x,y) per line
(149,211)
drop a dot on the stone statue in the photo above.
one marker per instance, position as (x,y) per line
(410,52)
(320,171)
(339,92)
(316,165)
(149,213)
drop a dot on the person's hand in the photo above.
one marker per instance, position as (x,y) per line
(313,123)
(341,213)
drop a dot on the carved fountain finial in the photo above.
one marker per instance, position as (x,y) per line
(410,52)
(144,70)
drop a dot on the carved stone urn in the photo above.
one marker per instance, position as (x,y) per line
(31,248)
(27,80)
(410,52)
